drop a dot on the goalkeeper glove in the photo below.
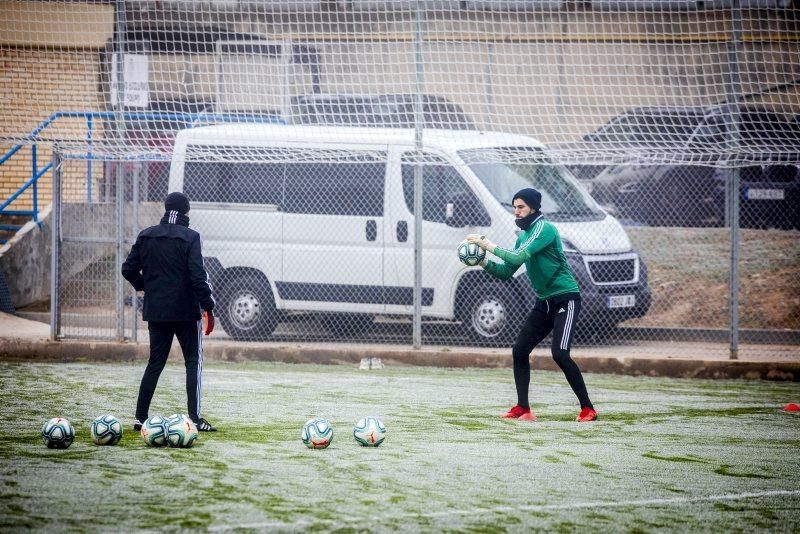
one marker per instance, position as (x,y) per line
(481,241)
(209,320)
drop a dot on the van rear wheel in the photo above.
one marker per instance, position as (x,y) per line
(491,314)
(248,312)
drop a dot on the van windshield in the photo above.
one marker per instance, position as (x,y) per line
(506,170)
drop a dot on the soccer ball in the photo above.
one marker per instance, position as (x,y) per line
(57,433)
(154,431)
(470,254)
(181,431)
(369,431)
(317,433)
(106,430)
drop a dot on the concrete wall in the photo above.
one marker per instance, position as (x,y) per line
(25,260)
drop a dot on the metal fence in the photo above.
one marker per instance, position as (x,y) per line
(310,239)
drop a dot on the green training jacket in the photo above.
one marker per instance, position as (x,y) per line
(539,248)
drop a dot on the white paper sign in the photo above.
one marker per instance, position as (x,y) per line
(135,78)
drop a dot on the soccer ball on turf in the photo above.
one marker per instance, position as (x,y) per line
(181,431)
(106,430)
(369,431)
(470,254)
(317,433)
(57,433)
(154,431)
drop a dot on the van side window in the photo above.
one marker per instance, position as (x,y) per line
(202,181)
(238,183)
(341,188)
(441,184)
(254,183)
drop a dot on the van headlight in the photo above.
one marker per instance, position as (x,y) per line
(568,246)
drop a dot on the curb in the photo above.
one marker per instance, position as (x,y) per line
(108,351)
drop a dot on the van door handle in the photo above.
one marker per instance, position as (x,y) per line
(372,230)
(402,231)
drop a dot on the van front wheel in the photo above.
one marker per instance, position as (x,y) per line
(248,312)
(491,314)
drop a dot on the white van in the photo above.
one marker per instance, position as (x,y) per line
(321,219)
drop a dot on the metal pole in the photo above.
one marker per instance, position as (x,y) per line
(35,186)
(418,126)
(55,247)
(137,173)
(734,90)
(120,185)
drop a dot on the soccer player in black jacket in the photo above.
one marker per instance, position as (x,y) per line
(167,264)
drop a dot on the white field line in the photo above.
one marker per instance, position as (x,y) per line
(526,508)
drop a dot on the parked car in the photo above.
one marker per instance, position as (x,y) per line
(693,193)
(320,219)
(390,110)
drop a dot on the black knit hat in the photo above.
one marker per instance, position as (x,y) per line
(530,196)
(177,202)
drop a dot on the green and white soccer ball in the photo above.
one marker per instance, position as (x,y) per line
(181,431)
(317,433)
(154,431)
(106,430)
(58,433)
(470,254)
(369,431)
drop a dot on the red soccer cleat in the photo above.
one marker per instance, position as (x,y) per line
(586,415)
(518,412)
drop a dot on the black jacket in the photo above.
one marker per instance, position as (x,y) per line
(167,264)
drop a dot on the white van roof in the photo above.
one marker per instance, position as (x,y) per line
(262,134)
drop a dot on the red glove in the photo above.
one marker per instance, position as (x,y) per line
(209,320)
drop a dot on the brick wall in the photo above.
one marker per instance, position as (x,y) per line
(37,83)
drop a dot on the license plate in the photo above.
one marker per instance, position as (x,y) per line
(622,301)
(765,194)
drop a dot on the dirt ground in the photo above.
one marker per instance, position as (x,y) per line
(689,271)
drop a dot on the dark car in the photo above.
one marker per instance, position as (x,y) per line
(766,150)
(388,110)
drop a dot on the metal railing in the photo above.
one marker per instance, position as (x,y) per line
(188,119)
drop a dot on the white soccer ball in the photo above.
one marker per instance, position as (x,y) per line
(106,430)
(154,431)
(369,431)
(470,254)
(58,433)
(181,431)
(317,433)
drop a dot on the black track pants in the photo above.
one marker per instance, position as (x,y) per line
(189,334)
(558,314)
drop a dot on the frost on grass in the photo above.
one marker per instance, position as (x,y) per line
(679,454)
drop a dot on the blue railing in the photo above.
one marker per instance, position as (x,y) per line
(189,120)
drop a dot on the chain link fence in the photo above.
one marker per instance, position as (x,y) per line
(309,235)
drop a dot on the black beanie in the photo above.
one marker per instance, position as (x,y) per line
(177,202)
(530,196)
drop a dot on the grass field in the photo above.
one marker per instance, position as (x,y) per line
(666,454)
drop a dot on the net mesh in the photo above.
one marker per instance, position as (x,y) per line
(293,123)
(598,81)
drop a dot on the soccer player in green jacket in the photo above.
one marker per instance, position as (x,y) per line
(558,300)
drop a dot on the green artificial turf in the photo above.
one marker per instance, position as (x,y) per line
(665,454)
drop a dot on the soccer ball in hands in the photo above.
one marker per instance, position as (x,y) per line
(154,431)
(106,430)
(369,431)
(470,254)
(317,433)
(181,431)
(57,433)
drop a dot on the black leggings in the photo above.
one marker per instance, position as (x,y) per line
(559,315)
(190,337)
